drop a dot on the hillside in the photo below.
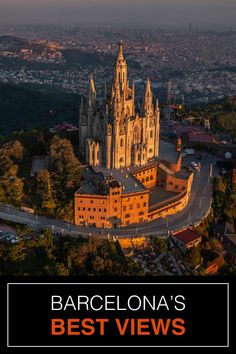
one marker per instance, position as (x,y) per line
(23,107)
(11,42)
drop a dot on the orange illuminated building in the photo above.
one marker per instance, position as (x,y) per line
(130,176)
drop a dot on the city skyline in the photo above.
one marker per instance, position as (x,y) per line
(152,13)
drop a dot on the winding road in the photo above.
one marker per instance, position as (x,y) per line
(198,207)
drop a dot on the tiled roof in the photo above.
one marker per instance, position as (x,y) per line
(186,236)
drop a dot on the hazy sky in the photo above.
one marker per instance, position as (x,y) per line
(135,12)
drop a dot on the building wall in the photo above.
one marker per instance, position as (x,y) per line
(183,246)
(135,208)
(230,247)
(147,176)
(114,216)
(91,210)
(174,205)
(113,210)
(118,209)
(173,183)
(173,167)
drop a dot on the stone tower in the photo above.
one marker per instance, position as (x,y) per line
(112,134)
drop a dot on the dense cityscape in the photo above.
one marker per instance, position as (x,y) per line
(200,64)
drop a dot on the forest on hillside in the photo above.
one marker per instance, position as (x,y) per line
(25,107)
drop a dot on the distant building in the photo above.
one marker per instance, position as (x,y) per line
(229,243)
(200,137)
(63,127)
(213,266)
(186,239)
(225,232)
(233,173)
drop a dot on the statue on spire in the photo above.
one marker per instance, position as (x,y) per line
(120,53)
(91,92)
(120,72)
(147,100)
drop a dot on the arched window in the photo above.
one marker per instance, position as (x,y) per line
(151,177)
(121,160)
(151,134)
(150,151)
(121,142)
(147,179)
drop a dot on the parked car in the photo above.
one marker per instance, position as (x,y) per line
(189,151)
(223,171)
(194,165)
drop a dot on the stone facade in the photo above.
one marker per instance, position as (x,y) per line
(130,175)
(113,134)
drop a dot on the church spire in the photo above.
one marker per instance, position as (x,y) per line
(120,53)
(148,91)
(147,102)
(120,70)
(91,92)
(133,98)
(157,106)
(105,89)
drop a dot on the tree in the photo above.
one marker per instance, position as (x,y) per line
(159,243)
(23,230)
(13,189)
(220,184)
(11,186)
(228,269)
(61,269)
(18,252)
(44,190)
(46,242)
(193,258)
(13,150)
(65,167)
(98,264)
(33,141)
(66,211)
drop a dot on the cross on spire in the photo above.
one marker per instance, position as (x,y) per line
(120,54)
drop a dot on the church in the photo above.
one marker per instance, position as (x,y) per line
(130,175)
(113,135)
